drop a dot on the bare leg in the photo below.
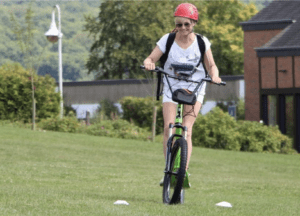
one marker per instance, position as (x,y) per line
(169,114)
(190,115)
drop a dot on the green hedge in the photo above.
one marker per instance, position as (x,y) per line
(140,111)
(119,129)
(68,123)
(16,94)
(219,130)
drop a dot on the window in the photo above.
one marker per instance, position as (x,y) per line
(289,115)
(272,110)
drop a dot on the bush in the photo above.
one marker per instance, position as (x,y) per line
(118,129)
(66,124)
(140,111)
(219,130)
(216,129)
(240,110)
(257,137)
(18,124)
(108,109)
(16,94)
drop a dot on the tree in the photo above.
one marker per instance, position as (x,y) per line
(125,32)
(25,38)
(219,22)
(16,94)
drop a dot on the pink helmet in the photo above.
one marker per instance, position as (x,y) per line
(186,10)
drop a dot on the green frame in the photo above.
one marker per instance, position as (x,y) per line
(179,120)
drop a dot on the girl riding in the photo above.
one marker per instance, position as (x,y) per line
(184,50)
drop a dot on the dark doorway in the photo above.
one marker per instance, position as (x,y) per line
(297,122)
(283,110)
(281,113)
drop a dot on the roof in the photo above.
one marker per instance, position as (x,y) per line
(107,82)
(278,15)
(279,10)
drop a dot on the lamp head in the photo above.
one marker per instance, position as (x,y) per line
(52,39)
(53,34)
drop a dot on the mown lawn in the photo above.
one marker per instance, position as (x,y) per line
(50,173)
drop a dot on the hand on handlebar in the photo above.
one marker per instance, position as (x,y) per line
(149,65)
(216,79)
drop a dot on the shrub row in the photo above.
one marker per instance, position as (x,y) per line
(140,111)
(219,130)
(68,123)
(118,128)
(216,129)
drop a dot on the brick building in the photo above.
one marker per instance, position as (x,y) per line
(272,67)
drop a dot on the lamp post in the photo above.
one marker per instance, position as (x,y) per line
(53,35)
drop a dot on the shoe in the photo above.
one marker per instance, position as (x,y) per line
(161,183)
(173,181)
(186,183)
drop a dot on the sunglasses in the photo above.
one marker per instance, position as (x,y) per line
(179,25)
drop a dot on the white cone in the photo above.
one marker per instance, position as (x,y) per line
(224,204)
(121,202)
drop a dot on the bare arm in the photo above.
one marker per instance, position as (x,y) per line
(150,61)
(211,66)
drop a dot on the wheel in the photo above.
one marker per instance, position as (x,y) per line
(182,196)
(173,181)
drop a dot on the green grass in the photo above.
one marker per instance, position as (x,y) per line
(51,173)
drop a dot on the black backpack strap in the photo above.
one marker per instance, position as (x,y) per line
(201,45)
(163,60)
(158,85)
(170,41)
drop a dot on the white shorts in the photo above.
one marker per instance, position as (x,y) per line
(168,98)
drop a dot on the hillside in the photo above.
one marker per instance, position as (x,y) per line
(75,42)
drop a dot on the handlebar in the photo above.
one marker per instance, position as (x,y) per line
(160,70)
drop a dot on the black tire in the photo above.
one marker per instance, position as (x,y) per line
(172,195)
(182,194)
